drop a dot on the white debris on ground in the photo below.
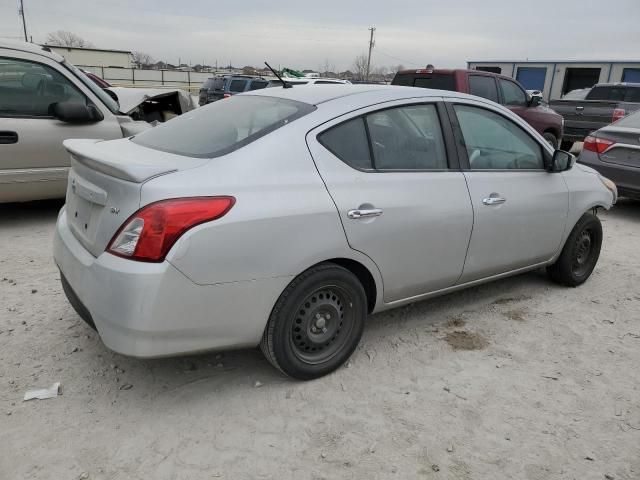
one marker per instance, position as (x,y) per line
(517,379)
(43,393)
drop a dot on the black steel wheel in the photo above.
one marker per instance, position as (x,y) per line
(580,253)
(316,323)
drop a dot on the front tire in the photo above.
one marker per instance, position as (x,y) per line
(317,322)
(580,253)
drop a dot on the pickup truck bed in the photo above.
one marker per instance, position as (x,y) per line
(604,104)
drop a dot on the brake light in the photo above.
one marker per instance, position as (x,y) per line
(149,234)
(598,145)
(618,113)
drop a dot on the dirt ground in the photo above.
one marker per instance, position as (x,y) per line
(518,379)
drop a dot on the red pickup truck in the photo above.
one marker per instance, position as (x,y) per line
(498,88)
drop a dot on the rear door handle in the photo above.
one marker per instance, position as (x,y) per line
(7,137)
(494,200)
(367,213)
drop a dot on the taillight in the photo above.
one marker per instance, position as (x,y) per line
(598,145)
(149,234)
(226,95)
(618,113)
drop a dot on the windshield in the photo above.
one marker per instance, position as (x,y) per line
(111,104)
(223,126)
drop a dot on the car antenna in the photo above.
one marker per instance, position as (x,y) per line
(284,84)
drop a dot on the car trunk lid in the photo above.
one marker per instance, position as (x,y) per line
(104,185)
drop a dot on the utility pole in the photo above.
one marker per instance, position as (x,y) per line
(24,23)
(371,44)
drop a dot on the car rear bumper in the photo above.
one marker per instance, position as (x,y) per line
(626,178)
(153,310)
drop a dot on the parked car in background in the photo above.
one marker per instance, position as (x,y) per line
(603,104)
(309,81)
(283,216)
(614,151)
(223,86)
(497,88)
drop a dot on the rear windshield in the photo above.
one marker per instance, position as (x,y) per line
(222,127)
(237,86)
(439,81)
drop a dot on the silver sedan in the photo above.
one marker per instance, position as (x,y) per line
(283,217)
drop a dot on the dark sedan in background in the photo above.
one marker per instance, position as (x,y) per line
(614,151)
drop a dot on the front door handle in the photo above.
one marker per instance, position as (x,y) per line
(364,213)
(494,200)
(7,137)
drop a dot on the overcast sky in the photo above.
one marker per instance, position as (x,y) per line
(305,33)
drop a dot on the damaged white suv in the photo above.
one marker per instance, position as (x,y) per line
(44,100)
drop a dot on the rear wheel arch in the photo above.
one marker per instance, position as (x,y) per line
(364,276)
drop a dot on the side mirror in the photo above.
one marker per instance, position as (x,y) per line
(561,161)
(535,100)
(75,112)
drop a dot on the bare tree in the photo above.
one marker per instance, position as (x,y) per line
(360,67)
(397,68)
(327,69)
(63,38)
(142,59)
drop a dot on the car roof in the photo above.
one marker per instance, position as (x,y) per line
(31,48)
(452,71)
(326,93)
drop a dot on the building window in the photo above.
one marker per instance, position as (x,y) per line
(576,78)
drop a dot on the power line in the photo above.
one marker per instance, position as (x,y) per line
(404,60)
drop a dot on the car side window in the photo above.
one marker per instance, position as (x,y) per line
(483,86)
(407,138)
(348,141)
(512,94)
(494,142)
(28,89)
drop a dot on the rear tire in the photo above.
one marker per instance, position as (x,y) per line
(551,139)
(317,322)
(580,253)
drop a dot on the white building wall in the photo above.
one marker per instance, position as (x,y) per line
(556,71)
(99,58)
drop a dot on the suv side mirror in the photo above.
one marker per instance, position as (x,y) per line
(561,161)
(75,112)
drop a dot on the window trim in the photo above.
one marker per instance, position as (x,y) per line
(445,127)
(45,66)
(461,145)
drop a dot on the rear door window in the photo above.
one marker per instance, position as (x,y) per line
(348,141)
(483,86)
(612,94)
(407,138)
(512,94)
(237,86)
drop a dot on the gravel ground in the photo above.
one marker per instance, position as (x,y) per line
(518,379)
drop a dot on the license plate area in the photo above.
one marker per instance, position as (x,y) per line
(85,203)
